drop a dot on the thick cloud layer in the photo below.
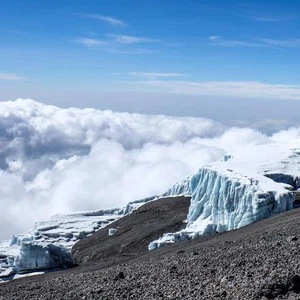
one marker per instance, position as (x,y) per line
(56,160)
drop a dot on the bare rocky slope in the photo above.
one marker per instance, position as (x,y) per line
(260,261)
(134,232)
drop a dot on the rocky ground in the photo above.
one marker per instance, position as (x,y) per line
(134,232)
(260,261)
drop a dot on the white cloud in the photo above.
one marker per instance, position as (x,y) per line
(116,43)
(156,74)
(218,41)
(256,43)
(244,89)
(118,50)
(292,43)
(214,37)
(237,43)
(63,160)
(89,42)
(273,18)
(14,31)
(11,77)
(128,39)
(110,20)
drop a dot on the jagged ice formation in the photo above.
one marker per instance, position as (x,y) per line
(227,195)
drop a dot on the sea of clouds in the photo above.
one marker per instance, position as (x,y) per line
(55,160)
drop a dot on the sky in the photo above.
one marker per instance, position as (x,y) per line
(139,56)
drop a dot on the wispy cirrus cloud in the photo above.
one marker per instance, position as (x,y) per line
(255,43)
(261,18)
(116,43)
(14,31)
(214,37)
(89,42)
(219,41)
(248,89)
(292,43)
(157,74)
(107,19)
(118,50)
(129,39)
(11,77)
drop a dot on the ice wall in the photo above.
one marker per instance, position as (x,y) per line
(223,200)
(37,257)
(48,245)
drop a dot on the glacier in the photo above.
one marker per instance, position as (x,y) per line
(48,245)
(228,195)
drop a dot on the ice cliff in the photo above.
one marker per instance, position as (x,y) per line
(48,245)
(230,194)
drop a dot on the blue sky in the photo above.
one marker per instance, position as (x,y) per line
(201,48)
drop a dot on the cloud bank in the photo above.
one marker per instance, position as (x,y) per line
(55,160)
